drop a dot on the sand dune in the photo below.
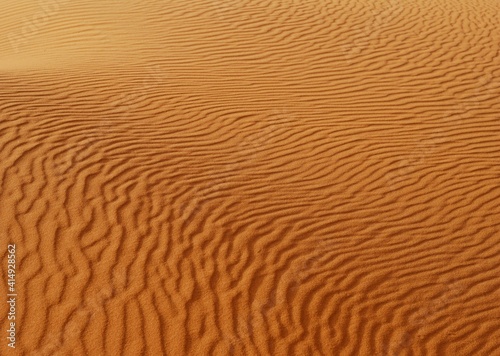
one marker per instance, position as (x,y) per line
(250,177)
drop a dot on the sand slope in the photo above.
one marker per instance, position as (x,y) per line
(250,177)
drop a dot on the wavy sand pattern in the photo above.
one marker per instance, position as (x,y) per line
(252,177)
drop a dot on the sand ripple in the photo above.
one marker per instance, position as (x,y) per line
(252,177)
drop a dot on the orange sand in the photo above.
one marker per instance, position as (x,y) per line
(247,177)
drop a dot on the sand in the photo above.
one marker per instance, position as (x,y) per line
(249,177)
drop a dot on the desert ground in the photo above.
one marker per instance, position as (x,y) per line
(251,177)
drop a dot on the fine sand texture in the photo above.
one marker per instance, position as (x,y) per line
(251,177)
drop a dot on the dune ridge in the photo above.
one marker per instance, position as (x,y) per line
(252,177)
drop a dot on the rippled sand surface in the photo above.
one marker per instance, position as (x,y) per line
(251,177)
